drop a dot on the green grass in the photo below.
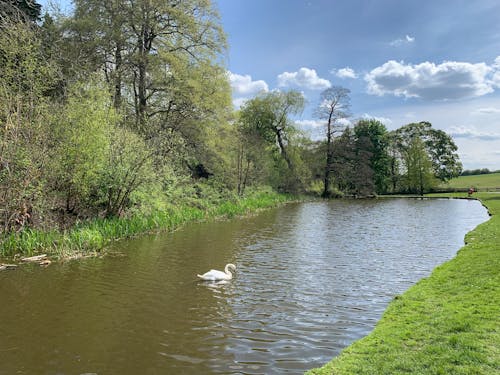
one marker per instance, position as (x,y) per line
(92,236)
(447,323)
(481,182)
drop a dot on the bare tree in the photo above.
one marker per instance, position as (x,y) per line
(333,108)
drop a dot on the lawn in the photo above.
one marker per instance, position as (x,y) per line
(481,182)
(448,323)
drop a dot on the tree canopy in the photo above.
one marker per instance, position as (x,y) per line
(125,107)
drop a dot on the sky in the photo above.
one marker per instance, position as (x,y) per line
(403,61)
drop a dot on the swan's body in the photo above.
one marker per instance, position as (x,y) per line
(215,275)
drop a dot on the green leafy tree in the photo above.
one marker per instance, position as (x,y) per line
(99,162)
(267,116)
(372,138)
(439,146)
(149,49)
(83,141)
(395,162)
(24,117)
(20,10)
(128,167)
(419,176)
(162,61)
(344,162)
(251,159)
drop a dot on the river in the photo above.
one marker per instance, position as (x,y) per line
(311,278)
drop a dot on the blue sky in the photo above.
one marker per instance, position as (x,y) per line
(404,61)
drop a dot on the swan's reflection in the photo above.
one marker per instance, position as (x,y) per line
(216,284)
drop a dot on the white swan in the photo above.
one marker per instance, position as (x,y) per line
(215,275)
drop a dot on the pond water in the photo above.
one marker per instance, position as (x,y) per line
(311,279)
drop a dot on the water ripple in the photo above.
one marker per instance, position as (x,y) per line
(311,279)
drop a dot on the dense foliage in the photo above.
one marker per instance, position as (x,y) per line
(474,172)
(124,108)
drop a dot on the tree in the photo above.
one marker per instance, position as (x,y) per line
(419,177)
(250,158)
(352,164)
(83,142)
(343,162)
(99,39)
(371,137)
(333,108)
(439,146)
(129,167)
(443,154)
(146,47)
(162,62)
(25,75)
(20,10)
(364,172)
(395,161)
(268,117)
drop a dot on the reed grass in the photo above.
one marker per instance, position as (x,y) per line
(92,236)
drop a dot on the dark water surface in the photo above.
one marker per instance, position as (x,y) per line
(311,279)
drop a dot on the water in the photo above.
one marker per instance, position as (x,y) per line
(311,279)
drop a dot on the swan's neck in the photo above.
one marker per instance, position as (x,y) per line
(227,271)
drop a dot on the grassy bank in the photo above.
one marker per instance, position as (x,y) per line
(92,236)
(448,323)
(481,182)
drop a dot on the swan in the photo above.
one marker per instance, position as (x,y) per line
(215,275)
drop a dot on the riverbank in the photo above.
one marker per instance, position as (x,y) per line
(89,238)
(447,323)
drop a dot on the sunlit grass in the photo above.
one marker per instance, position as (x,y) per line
(480,182)
(447,323)
(93,236)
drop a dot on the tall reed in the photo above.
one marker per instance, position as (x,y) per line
(94,235)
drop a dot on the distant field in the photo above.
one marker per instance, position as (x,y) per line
(483,181)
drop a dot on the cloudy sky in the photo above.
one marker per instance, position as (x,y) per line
(404,61)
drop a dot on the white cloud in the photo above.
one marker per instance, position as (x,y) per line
(486,111)
(384,120)
(344,122)
(244,88)
(316,128)
(496,76)
(310,124)
(238,102)
(243,85)
(304,78)
(472,133)
(400,41)
(345,73)
(448,80)
(496,64)
(496,79)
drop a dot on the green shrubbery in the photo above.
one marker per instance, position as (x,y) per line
(91,236)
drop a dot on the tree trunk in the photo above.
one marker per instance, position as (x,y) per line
(117,100)
(329,158)
(144,48)
(281,144)
(245,178)
(141,93)
(328,168)
(240,170)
